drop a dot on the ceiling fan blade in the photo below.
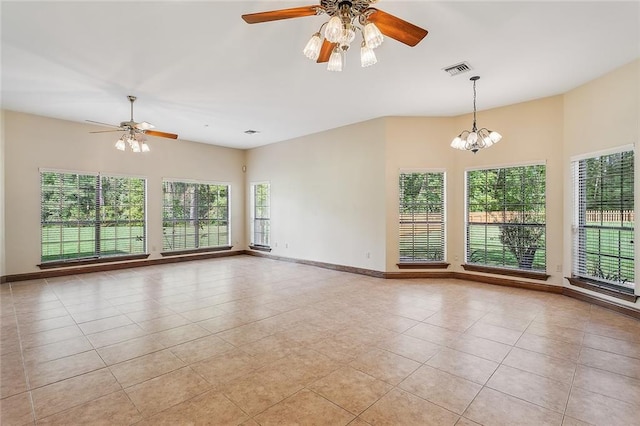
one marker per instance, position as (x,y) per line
(160,134)
(325,51)
(102,124)
(108,131)
(275,15)
(396,28)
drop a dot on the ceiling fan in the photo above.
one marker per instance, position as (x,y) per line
(347,17)
(134,132)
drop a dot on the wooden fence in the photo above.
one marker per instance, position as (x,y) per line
(591,216)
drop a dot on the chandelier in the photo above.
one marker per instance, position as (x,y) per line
(347,19)
(136,141)
(474,140)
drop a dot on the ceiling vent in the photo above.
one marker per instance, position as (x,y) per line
(456,69)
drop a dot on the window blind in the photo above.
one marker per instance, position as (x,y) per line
(506,213)
(422,217)
(195,215)
(261,214)
(88,216)
(603,247)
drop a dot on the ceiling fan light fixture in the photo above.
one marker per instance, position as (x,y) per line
(312,49)
(335,61)
(367,55)
(333,31)
(144,147)
(474,140)
(372,35)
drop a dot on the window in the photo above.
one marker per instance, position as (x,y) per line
(261,212)
(422,232)
(195,215)
(603,249)
(91,216)
(506,218)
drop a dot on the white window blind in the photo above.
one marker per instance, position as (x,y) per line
(603,247)
(261,215)
(195,215)
(422,217)
(506,217)
(87,215)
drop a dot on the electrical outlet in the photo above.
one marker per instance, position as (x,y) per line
(368,255)
(559,268)
(286,245)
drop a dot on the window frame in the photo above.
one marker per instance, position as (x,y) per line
(253,245)
(504,269)
(424,263)
(591,282)
(199,249)
(98,255)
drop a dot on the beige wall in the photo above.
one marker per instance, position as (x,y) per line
(3,250)
(602,114)
(415,143)
(327,195)
(33,142)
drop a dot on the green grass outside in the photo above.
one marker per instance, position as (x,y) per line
(76,242)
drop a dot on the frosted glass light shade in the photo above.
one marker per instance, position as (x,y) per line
(472,138)
(135,145)
(372,35)
(120,145)
(335,61)
(312,49)
(495,136)
(348,34)
(457,143)
(367,56)
(144,147)
(334,30)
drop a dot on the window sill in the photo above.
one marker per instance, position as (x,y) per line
(91,261)
(422,265)
(505,271)
(260,248)
(195,251)
(603,288)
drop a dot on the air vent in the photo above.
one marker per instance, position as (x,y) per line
(460,68)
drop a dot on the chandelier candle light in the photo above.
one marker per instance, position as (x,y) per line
(474,140)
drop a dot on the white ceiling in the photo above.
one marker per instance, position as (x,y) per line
(200,71)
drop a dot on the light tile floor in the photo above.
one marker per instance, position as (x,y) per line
(246,340)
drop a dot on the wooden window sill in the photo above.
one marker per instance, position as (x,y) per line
(506,271)
(91,261)
(260,248)
(194,251)
(603,288)
(422,265)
